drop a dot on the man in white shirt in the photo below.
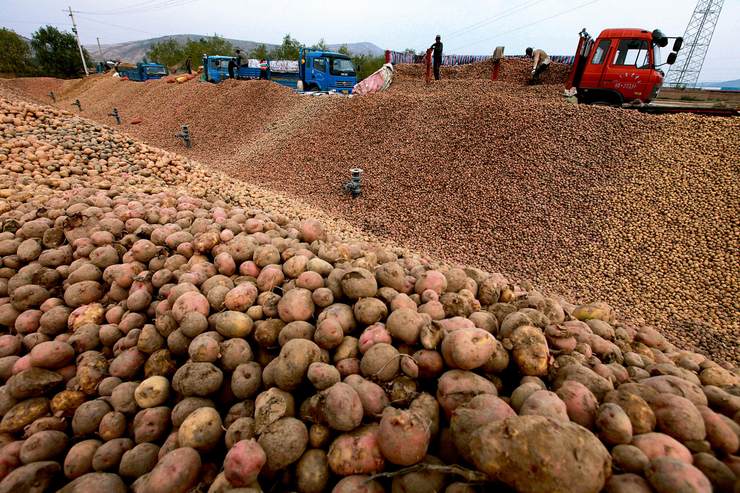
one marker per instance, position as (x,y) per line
(541,62)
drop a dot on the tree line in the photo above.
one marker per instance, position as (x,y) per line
(51,53)
(173,54)
(54,53)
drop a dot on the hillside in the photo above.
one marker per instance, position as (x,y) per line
(728,83)
(134,51)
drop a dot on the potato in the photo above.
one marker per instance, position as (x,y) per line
(467,349)
(231,324)
(127,364)
(234,352)
(201,429)
(580,403)
(267,332)
(597,384)
(627,483)
(151,424)
(292,364)
(678,386)
(108,456)
(204,348)
(241,297)
(655,445)
(370,310)
(193,324)
(52,355)
(79,458)
(296,330)
(719,474)
(457,387)
(356,452)
(372,396)
(243,463)
(42,446)
(534,454)
(152,392)
(312,472)
(480,410)
(246,380)
(113,425)
(613,425)
(284,442)
(358,283)
(640,414)
(296,305)
(122,399)
(242,429)
(33,382)
(87,417)
(668,475)
(629,459)
(322,376)
(176,472)
(357,484)
(272,405)
(403,436)
(31,478)
(197,379)
(719,433)
(530,351)
(678,417)
(380,362)
(545,403)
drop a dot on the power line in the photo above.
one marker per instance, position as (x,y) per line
(110,24)
(530,24)
(36,22)
(141,8)
(491,20)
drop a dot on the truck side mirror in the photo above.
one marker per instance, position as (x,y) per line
(678,44)
(671,59)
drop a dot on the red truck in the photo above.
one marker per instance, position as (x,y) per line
(620,66)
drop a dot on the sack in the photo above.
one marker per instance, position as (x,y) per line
(380,80)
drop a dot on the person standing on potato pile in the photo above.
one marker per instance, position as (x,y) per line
(189,65)
(437,56)
(231,67)
(541,62)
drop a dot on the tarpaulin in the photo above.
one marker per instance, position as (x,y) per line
(380,80)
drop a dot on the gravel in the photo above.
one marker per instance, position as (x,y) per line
(589,203)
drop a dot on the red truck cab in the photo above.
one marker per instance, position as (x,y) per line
(620,66)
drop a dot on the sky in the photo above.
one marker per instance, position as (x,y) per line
(473,27)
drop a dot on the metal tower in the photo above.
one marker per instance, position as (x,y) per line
(685,72)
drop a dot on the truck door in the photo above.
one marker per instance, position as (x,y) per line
(318,73)
(629,70)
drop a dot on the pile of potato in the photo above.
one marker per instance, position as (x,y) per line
(155,340)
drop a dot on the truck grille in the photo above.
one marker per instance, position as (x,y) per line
(344,83)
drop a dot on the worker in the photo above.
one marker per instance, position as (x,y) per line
(241,58)
(437,55)
(541,62)
(189,65)
(231,67)
(264,67)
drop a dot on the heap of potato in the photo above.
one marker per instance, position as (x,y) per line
(158,341)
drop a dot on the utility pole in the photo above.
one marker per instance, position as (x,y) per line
(100,50)
(74,30)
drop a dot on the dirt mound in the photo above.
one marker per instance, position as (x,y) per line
(590,202)
(514,71)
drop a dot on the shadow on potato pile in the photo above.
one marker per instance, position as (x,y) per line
(165,329)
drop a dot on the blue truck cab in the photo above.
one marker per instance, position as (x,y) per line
(145,71)
(326,71)
(317,71)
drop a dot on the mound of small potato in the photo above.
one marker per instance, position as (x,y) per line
(164,342)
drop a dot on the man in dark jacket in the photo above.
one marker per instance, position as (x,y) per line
(437,56)
(231,67)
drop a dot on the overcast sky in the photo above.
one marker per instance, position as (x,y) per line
(466,26)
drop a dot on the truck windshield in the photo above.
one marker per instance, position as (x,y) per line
(632,52)
(156,71)
(342,66)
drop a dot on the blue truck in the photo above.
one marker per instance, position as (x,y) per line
(144,71)
(317,71)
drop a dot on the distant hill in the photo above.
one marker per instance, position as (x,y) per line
(134,51)
(735,84)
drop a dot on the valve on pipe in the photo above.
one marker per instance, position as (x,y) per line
(185,136)
(52,96)
(115,115)
(78,104)
(353,186)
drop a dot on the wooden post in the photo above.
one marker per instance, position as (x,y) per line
(428,62)
(498,55)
